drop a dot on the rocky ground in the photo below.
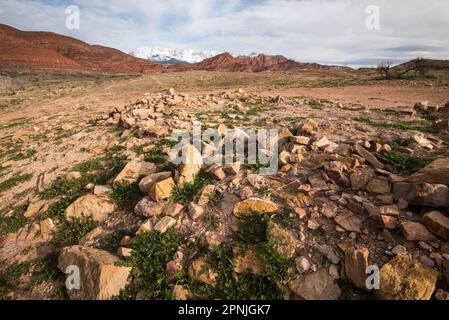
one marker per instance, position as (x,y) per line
(356,186)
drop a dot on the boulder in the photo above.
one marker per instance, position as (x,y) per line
(422,194)
(414,231)
(90,206)
(435,173)
(316,286)
(379,185)
(356,263)
(308,127)
(438,224)
(254,206)
(100,276)
(404,278)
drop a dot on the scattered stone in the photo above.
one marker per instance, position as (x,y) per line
(309,127)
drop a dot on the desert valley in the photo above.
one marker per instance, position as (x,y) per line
(356,209)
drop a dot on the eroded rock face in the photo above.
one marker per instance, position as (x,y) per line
(90,206)
(404,278)
(316,286)
(100,277)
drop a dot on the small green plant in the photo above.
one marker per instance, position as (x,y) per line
(126,195)
(151,252)
(70,232)
(24,155)
(9,275)
(91,165)
(402,163)
(187,192)
(252,228)
(276,266)
(47,269)
(110,242)
(15,222)
(12,182)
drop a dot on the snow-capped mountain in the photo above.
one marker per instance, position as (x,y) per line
(172,56)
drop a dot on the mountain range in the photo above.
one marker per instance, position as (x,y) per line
(172,56)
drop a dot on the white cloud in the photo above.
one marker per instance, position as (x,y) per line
(324,31)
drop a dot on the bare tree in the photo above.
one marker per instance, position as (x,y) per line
(420,66)
(384,67)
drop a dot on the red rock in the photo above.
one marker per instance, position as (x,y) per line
(49,51)
(414,231)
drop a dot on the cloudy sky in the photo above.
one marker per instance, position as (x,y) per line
(324,31)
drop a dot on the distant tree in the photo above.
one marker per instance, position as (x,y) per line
(420,66)
(384,67)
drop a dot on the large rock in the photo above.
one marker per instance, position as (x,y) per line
(161,190)
(437,223)
(414,231)
(422,194)
(191,163)
(404,278)
(282,240)
(316,286)
(356,262)
(435,173)
(90,206)
(309,126)
(133,170)
(100,276)
(254,206)
(147,208)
